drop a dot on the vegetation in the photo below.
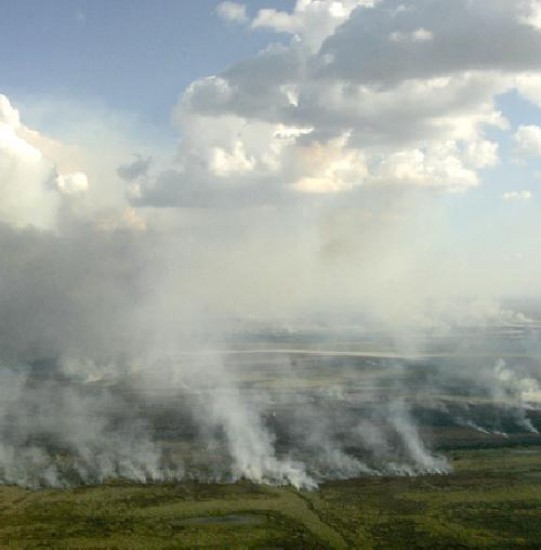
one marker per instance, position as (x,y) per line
(492,500)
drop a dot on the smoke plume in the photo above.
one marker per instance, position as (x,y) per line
(314,285)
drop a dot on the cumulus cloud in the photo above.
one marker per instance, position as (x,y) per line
(72,184)
(419,35)
(517,196)
(135,169)
(232,11)
(456,45)
(531,13)
(311,21)
(8,114)
(529,86)
(528,141)
(292,127)
(31,187)
(370,93)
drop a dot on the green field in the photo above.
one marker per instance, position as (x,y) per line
(492,500)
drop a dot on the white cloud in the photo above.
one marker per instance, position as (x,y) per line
(436,166)
(8,114)
(229,163)
(419,35)
(72,184)
(311,20)
(456,46)
(482,154)
(517,196)
(14,146)
(531,13)
(528,141)
(329,168)
(529,86)
(101,143)
(417,114)
(232,11)
(30,186)
(136,169)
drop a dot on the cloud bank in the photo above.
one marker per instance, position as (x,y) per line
(363,94)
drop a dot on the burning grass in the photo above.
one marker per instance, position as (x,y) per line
(493,499)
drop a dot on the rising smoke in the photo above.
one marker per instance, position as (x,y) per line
(121,358)
(293,298)
(152,352)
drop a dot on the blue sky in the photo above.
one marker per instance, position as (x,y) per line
(132,55)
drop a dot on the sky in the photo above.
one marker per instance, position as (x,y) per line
(132,56)
(378,154)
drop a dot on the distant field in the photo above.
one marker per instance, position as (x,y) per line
(492,500)
(387,413)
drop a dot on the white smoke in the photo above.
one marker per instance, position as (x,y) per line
(315,186)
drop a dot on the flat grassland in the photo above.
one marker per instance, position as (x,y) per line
(492,500)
